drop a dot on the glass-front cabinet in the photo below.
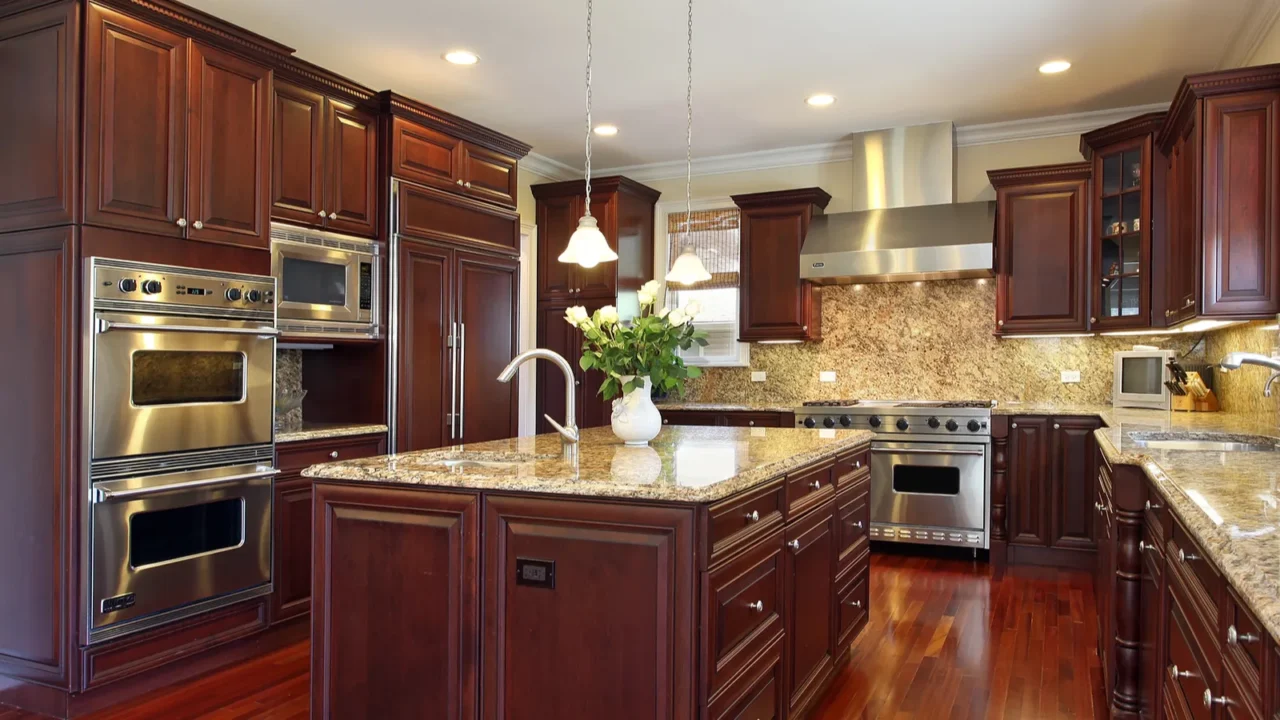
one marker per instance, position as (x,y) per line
(1122,229)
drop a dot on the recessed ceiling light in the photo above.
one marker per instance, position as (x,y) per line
(1054,66)
(462,57)
(820,100)
(606,130)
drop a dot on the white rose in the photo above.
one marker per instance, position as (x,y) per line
(677,318)
(649,292)
(575,315)
(608,315)
(693,309)
(663,312)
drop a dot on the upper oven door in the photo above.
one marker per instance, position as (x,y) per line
(321,283)
(930,484)
(164,384)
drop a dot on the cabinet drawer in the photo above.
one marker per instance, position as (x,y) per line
(809,488)
(690,417)
(1186,668)
(1243,646)
(1152,555)
(753,419)
(1155,516)
(1200,578)
(756,694)
(743,610)
(849,466)
(488,175)
(854,519)
(302,455)
(741,519)
(853,607)
(1242,702)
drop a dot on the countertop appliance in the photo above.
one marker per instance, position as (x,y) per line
(930,466)
(330,285)
(1143,379)
(179,385)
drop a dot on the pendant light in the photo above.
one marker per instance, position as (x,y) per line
(688,268)
(587,246)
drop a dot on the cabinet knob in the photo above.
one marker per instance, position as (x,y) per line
(182,222)
(1000,323)
(1151,506)
(1168,313)
(665,421)
(321,214)
(1189,303)
(805,328)
(1093,319)
(1142,546)
(753,516)
(858,524)
(1175,673)
(751,423)
(1014,426)
(1235,638)
(857,464)
(855,603)
(758,606)
(333,454)
(1184,556)
(794,545)
(467,184)
(816,484)
(197,225)
(459,181)
(1056,426)
(1210,700)
(333,216)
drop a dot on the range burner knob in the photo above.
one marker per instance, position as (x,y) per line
(973,426)
(233,294)
(829,422)
(810,422)
(952,425)
(128,285)
(933,423)
(253,296)
(845,420)
(875,421)
(903,424)
(151,287)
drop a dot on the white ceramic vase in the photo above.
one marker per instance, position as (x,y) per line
(635,419)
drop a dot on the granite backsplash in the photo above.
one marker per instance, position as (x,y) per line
(1240,392)
(288,378)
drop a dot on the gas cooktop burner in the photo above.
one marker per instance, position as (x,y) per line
(946,403)
(830,403)
(900,403)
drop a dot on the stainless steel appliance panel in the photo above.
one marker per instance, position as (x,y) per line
(165,384)
(163,542)
(328,285)
(940,485)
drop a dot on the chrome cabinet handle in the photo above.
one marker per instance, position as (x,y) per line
(794,545)
(453,381)
(462,377)
(753,516)
(1185,556)
(1175,673)
(1210,700)
(197,225)
(182,222)
(333,216)
(1235,638)
(758,606)
(333,454)
(816,484)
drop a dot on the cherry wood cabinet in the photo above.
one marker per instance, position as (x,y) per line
(439,159)
(775,304)
(809,606)
(1177,262)
(1042,221)
(324,168)
(1073,460)
(433,214)
(1028,506)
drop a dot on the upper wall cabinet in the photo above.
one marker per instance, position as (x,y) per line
(1128,176)
(176,134)
(324,167)
(1042,248)
(1222,136)
(775,304)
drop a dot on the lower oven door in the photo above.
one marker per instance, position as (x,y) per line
(168,546)
(929,485)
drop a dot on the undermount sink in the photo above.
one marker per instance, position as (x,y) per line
(1205,442)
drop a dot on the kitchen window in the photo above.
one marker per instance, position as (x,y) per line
(714,234)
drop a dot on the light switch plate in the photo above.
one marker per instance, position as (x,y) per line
(757,376)
(827,376)
(1070,376)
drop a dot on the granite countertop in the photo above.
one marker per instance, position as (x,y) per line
(320,431)
(683,464)
(1229,501)
(723,407)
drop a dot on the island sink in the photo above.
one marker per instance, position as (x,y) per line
(1205,442)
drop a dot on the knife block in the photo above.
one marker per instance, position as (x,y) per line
(1208,402)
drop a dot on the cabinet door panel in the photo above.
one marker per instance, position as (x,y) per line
(425,156)
(743,611)
(1041,236)
(297,155)
(227,165)
(557,219)
(1029,481)
(425,363)
(406,656)
(352,187)
(135,124)
(810,600)
(621,608)
(557,335)
(487,308)
(292,550)
(488,175)
(1074,458)
(595,411)
(1241,215)
(772,303)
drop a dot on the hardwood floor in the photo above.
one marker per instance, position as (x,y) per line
(945,640)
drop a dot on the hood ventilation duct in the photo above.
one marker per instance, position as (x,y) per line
(906,225)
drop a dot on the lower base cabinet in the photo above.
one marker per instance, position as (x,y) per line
(585,609)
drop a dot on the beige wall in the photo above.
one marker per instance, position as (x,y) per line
(1269,50)
(973,162)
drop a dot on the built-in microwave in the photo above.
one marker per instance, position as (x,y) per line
(328,285)
(1140,379)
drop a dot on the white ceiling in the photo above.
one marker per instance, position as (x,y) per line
(889,62)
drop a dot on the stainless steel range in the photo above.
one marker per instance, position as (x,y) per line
(930,466)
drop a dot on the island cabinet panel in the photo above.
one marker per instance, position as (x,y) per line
(809,612)
(415,648)
(560,571)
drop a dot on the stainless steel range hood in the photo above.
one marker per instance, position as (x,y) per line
(906,225)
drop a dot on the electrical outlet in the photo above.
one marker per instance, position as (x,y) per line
(757,376)
(1070,376)
(827,376)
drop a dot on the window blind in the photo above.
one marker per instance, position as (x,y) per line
(714,236)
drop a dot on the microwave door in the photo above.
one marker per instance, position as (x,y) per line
(318,284)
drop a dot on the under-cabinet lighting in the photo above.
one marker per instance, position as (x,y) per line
(1139,333)
(1197,326)
(1272,328)
(779,342)
(1046,336)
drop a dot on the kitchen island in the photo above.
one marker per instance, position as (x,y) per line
(721,571)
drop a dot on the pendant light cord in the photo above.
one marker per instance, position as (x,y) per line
(587,201)
(688,148)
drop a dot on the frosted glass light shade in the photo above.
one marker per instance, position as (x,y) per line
(688,269)
(587,246)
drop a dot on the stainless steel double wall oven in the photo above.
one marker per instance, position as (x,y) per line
(179,388)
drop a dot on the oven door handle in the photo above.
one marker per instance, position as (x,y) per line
(103,495)
(104,325)
(924,451)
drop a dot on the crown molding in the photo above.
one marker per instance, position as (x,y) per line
(1248,37)
(1051,126)
(550,169)
(739,162)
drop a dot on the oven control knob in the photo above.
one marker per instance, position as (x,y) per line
(952,425)
(829,422)
(810,422)
(973,426)
(254,296)
(128,285)
(233,294)
(903,424)
(933,423)
(151,287)
(875,421)
(845,420)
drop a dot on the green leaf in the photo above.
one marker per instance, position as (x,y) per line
(694,371)
(587,362)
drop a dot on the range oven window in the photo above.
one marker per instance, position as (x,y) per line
(165,535)
(313,283)
(174,377)
(926,479)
